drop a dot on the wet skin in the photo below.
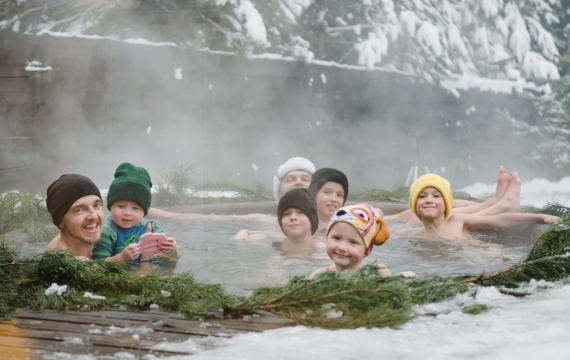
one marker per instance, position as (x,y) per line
(329,199)
(82,222)
(126,214)
(345,246)
(294,179)
(295,224)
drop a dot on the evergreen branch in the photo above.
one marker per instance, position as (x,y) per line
(271,305)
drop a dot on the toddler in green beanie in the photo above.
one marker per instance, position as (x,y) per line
(129,199)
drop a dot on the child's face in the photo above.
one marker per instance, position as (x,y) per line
(295,224)
(430,204)
(126,214)
(295,179)
(345,247)
(83,219)
(329,199)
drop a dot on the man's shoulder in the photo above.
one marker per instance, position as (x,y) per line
(56,244)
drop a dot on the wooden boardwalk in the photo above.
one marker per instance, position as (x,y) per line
(109,334)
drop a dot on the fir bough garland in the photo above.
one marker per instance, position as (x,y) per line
(95,285)
(334,300)
(353,299)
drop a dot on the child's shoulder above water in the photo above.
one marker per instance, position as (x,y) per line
(383,271)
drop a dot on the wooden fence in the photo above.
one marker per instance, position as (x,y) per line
(235,119)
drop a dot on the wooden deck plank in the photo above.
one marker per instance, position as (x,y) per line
(10,353)
(116,340)
(168,322)
(187,327)
(35,347)
(146,333)
(31,334)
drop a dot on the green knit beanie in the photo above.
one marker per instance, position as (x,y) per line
(131,183)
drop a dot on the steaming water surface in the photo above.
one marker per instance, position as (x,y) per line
(207,250)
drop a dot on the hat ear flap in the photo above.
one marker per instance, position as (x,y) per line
(382,234)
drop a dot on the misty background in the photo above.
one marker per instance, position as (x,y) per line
(86,87)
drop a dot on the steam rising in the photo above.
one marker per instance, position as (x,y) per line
(234,119)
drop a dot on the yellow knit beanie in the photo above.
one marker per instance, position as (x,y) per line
(434,181)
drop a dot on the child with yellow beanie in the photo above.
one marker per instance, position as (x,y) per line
(351,235)
(431,201)
(129,199)
(505,199)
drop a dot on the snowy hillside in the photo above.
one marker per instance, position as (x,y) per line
(437,40)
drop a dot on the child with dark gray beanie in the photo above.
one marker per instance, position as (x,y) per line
(129,199)
(298,221)
(297,215)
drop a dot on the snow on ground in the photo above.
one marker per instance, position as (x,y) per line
(536,192)
(515,328)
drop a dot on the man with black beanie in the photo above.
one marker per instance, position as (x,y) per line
(76,208)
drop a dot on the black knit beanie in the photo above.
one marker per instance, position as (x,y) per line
(324,175)
(131,183)
(63,192)
(301,199)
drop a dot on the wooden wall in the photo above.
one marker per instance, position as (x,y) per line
(107,101)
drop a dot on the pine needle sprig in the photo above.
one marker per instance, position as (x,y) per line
(549,258)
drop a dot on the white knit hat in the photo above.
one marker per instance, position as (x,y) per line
(295,163)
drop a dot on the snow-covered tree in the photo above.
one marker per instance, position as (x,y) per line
(437,39)
(552,130)
(433,39)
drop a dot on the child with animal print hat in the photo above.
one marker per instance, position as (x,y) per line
(351,235)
